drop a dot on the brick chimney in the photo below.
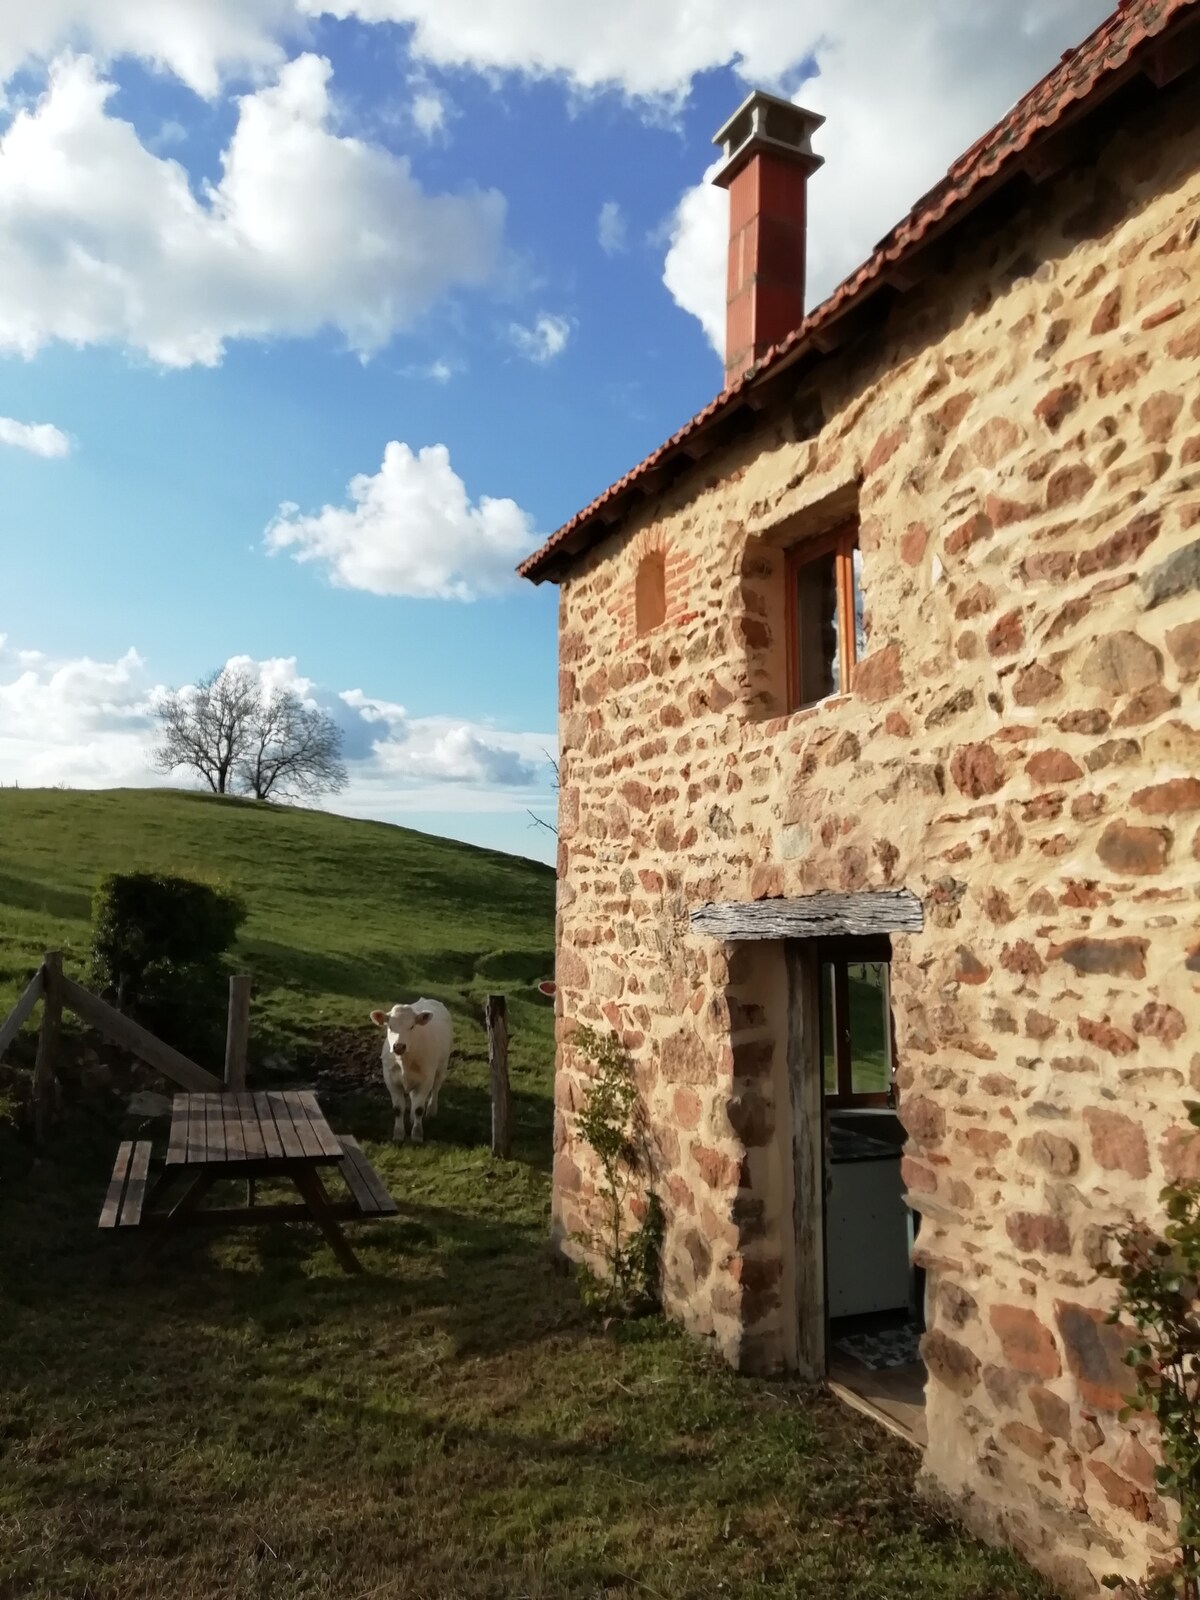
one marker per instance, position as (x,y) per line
(768,159)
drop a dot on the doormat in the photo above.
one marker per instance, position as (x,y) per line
(890,1347)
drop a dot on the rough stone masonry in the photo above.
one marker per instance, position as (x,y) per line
(1020,441)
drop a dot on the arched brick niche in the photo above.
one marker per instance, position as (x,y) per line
(650,592)
(654,589)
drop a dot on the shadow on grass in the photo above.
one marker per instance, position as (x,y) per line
(377,978)
(68,905)
(384,978)
(463,1121)
(481,1274)
(251,1421)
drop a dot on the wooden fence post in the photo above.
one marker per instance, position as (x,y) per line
(497,1032)
(237,1036)
(46,1064)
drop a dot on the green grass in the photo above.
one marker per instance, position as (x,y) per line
(344,915)
(250,1422)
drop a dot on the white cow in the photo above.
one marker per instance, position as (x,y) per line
(417,1041)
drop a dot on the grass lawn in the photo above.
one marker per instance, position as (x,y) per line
(250,1422)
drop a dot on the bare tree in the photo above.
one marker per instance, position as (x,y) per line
(294,751)
(540,822)
(240,737)
(207,728)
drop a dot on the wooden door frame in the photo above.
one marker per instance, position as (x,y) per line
(806,1090)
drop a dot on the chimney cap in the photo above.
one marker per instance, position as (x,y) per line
(765,122)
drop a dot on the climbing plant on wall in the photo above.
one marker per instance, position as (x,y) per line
(1158,1278)
(612,1123)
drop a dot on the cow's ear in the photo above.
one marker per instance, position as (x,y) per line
(547,988)
(421,1017)
(379,1018)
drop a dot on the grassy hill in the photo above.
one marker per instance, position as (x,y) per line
(343,915)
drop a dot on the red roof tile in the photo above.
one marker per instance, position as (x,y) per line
(1081,74)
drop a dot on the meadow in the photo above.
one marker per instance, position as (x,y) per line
(344,915)
(247,1421)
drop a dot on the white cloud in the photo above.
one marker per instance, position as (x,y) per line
(82,722)
(171,132)
(199,41)
(90,724)
(101,240)
(430,112)
(695,266)
(643,48)
(439,370)
(39,438)
(545,340)
(905,91)
(411,529)
(611,228)
(441,750)
(277,672)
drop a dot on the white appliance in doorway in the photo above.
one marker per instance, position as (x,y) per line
(867,1229)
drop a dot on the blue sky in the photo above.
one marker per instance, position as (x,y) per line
(246,247)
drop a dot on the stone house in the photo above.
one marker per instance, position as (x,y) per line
(879,824)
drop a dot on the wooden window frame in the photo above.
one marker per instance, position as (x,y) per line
(840,953)
(843,541)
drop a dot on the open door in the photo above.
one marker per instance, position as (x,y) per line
(858,1300)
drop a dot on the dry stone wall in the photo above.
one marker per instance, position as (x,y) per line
(1021,749)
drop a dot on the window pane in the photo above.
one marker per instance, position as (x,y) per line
(817,629)
(870,1033)
(828,1051)
(860,632)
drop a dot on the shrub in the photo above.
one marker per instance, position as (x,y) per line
(157,944)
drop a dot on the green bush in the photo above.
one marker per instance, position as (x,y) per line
(157,948)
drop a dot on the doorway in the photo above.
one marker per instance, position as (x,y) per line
(855,1231)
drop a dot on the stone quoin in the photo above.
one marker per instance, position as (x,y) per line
(989,436)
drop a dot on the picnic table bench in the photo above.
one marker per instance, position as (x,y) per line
(267,1136)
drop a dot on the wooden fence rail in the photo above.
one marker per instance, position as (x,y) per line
(139,1041)
(58,993)
(16,1018)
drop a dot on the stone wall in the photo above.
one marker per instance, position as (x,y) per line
(1021,749)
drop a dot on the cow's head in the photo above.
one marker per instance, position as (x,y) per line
(398,1024)
(547,987)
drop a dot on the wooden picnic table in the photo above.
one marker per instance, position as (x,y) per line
(265,1136)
